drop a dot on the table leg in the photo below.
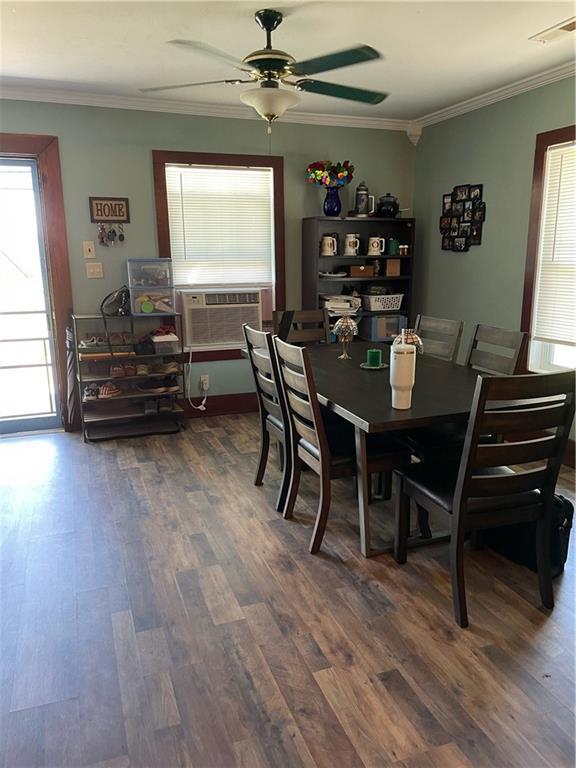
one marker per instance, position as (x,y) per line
(363,481)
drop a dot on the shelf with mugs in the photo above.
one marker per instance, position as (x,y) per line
(343,245)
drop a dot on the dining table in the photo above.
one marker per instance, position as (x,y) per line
(442,394)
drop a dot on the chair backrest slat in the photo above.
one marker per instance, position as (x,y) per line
(272,408)
(300,406)
(535,413)
(266,385)
(261,360)
(440,336)
(295,380)
(305,431)
(302,326)
(505,354)
(506,484)
(502,454)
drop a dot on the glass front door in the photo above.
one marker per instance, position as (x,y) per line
(28,398)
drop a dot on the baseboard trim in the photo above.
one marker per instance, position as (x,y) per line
(222,405)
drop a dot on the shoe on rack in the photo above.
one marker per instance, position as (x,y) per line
(142,369)
(166,368)
(90,393)
(151,388)
(129,369)
(117,371)
(116,339)
(165,405)
(171,385)
(108,391)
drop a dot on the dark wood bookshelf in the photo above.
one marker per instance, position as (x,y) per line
(314,228)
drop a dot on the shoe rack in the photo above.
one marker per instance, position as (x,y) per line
(132,412)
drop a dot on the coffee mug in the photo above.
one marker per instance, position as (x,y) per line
(328,246)
(351,245)
(376,245)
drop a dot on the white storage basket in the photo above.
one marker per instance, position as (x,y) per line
(389,303)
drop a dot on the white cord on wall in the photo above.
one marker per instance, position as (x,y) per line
(202,406)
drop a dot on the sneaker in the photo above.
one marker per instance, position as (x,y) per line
(130,369)
(116,371)
(90,393)
(171,385)
(109,390)
(166,368)
(165,405)
(142,369)
(151,388)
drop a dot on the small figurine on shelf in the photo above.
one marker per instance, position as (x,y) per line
(345,329)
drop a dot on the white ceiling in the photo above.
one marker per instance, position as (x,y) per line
(436,53)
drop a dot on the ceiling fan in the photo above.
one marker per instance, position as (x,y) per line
(270,68)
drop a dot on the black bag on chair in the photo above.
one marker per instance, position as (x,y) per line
(518,542)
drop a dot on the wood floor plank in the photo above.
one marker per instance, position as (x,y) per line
(102,731)
(218,595)
(136,709)
(46,659)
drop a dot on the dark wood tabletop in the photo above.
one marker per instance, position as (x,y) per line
(442,392)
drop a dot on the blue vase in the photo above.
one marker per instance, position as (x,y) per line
(332,204)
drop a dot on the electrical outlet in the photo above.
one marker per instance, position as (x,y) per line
(88,249)
(94,269)
(204,382)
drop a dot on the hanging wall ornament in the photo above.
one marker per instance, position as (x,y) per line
(102,235)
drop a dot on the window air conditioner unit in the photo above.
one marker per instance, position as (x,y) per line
(213,318)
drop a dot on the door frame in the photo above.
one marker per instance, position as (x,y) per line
(45,150)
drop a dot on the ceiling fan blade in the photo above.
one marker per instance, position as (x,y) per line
(335,60)
(191,85)
(208,50)
(341,91)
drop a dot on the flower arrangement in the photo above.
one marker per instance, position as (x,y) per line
(324,173)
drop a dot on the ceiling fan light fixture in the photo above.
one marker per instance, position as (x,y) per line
(270,103)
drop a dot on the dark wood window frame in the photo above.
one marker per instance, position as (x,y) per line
(161,158)
(44,149)
(543,141)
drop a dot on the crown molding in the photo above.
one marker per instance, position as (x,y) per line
(498,94)
(412,128)
(146,104)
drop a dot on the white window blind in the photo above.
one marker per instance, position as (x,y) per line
(554,314)
(221,224)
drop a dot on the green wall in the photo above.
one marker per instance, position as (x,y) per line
(108,152)
(493,146)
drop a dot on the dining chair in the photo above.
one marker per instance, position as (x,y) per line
(271,406)
(302,326)
(505,350)
(482,491)
(440,337)
(323,441)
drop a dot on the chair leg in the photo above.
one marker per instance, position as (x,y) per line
(423,522)
(322,516)
(263,458)
(286,476)
(402,516)
(293,486)
(543,563)
(457,573)
(385,482)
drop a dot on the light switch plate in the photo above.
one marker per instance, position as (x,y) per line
(94,269)
(88,249)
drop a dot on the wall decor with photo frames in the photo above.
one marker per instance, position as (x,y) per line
(463,214)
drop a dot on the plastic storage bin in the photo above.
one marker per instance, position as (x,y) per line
(381,327)
(149,273)
(152,301)
(389,303)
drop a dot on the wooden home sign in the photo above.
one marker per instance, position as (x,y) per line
(109,209)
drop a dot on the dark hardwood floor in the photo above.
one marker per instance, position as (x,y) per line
(156,611)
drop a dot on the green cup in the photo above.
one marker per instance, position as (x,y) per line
(393,247)
(374,358)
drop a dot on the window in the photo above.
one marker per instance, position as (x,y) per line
(220,219)
(549,311)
